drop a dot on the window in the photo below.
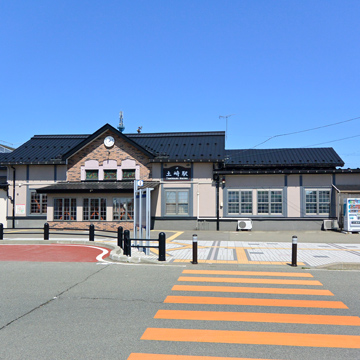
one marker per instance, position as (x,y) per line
(269,202)
(94,209)
(176,202)
(240,202)
(38,203)
(110,174)
(317,202)
(123,209)
(128,174)
(92,175)
(65,209)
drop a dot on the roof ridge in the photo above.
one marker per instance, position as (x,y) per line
(191,133)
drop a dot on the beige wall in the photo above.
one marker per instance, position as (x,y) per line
(347,179)
(41,175)
(236,181)
(3,207)
(317,180)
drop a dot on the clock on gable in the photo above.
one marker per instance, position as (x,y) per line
(109,141)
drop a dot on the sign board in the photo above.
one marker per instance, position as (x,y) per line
(177,173)
(20,209)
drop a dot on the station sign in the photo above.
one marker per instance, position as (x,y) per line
(177,173)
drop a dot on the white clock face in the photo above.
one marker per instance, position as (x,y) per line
(109,141)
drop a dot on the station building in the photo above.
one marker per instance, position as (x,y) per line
(72,181)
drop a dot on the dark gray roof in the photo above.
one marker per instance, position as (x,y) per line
(297,157)
(185,146)
(95,187)
(43,149)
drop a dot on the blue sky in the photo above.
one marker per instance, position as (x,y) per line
(280,66)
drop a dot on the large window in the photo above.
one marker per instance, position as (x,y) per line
(123,209)
(270,202)
(317,202)
(38,203)
(94,209)
(65,209)
(177,202)
(240,202)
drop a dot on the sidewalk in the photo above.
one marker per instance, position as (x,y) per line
(314,249)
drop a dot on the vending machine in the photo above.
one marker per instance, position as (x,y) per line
(352,215)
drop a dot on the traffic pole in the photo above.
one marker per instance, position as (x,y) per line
(294,251)
(195,249)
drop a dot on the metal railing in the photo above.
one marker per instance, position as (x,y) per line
(45,231)
(161,239)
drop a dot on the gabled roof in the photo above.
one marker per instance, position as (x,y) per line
(55,149)
(183,146)
(297,157)
(99,132)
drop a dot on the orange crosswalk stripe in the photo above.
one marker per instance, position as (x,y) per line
(249,280)
(258,317)
(139,356)
(252,337)
(212,300)
(247,273)
(255,290)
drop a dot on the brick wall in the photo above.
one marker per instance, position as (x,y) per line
(99,225)
(96,150)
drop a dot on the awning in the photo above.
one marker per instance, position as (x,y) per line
(350,189)
(95,187)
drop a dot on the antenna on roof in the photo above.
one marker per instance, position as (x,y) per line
(226,117)
(121,126)
(139,129)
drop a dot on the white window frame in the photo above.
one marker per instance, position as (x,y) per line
(317,201)
(240,202)
(177,203)
(270,202)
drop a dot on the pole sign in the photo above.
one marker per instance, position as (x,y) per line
(177,173)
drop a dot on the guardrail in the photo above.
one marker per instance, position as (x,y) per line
(161,239)
(45,231)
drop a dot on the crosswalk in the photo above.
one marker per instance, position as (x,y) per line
(283,300)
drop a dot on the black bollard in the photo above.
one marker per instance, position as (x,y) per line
(91,232)
(195,249)
(294,251)
(162,247)
(120,237)
(1,231)
(46,231)
(127,243)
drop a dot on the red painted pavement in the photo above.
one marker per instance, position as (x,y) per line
(52,253)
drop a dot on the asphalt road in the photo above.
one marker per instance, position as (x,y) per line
(92,311)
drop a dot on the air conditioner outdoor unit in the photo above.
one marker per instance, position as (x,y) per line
(244,224)
(330,225)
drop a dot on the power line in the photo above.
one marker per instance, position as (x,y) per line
(302,131)
(328,142)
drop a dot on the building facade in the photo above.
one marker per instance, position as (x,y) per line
(71,181)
